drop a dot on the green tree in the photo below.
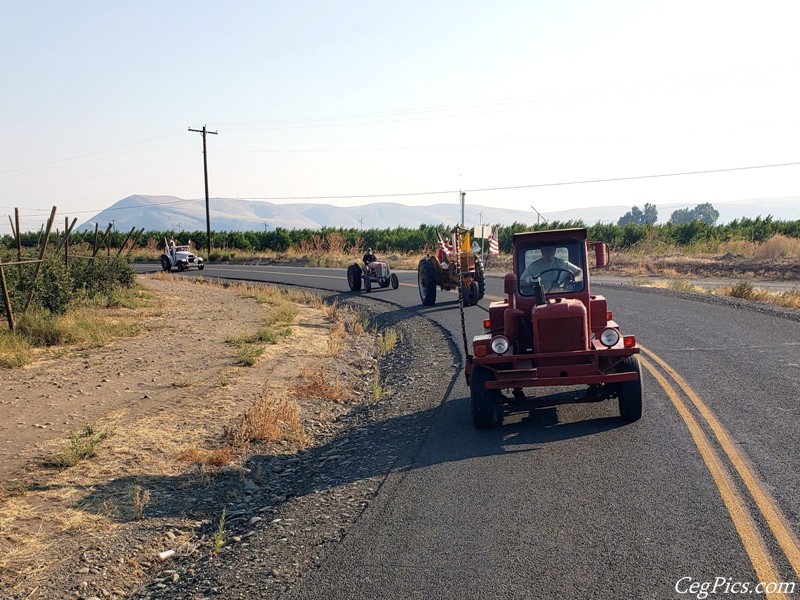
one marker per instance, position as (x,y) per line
(637,216)
(705,213)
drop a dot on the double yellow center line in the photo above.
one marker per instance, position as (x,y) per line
(743,521)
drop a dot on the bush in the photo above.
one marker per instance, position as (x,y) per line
(742,289)
(102,275)
(54,287)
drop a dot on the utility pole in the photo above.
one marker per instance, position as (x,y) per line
(463,196)
(204,131)
(483,237)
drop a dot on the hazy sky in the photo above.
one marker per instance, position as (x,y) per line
(347,98)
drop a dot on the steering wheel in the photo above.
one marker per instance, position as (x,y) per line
(557,283)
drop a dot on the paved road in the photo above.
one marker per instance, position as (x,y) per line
(566,500)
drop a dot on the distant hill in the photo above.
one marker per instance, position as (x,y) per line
(172,213)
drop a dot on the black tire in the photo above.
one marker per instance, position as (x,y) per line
(181,266)
(367,284)
(474,293)
(200,267)
(630,392)
(354,278)
(165,264)
(426,279)
(394,281)
(480,277)
(485,403)
(384,283)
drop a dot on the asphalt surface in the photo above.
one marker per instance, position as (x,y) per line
(565,500)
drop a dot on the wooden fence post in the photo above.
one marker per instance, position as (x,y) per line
(122,247)
(7,299)
(50,222)
(133,243)
(18,238)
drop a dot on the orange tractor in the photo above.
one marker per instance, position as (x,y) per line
(453,267)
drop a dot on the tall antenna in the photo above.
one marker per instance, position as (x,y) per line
(538,215)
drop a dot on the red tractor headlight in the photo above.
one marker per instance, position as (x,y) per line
(609,337)
(500,344)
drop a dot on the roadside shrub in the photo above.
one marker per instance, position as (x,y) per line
(778,246)
(54,287)
(742,289)
(102,275)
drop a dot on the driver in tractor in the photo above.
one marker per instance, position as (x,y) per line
(553,272)
(369,257)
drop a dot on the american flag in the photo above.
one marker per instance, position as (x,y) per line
(444,247)
(494,244)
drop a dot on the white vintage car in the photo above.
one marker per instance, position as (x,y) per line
(181,257)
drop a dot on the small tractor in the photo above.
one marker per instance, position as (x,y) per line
(552,331)
(375,272)
(181,257)
(453,267)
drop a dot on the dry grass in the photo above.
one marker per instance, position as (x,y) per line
(15,350)
(742,289)
(387,340)
(778,246)
(379,389)
(745,290)
(314,385)
(23,553)
(81,328)
(268,420)
(218,457)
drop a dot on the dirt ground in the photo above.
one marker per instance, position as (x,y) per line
(93,530)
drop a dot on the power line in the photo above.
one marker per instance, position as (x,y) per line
(441,192)
(87,154)
(538,185)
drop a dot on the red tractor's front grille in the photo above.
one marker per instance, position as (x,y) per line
(561,335)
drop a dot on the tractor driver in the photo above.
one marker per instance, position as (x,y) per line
(369,257)
(551,271)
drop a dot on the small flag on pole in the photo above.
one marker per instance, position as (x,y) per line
(445,250)
(494,244)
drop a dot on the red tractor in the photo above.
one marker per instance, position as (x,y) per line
(552,331)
